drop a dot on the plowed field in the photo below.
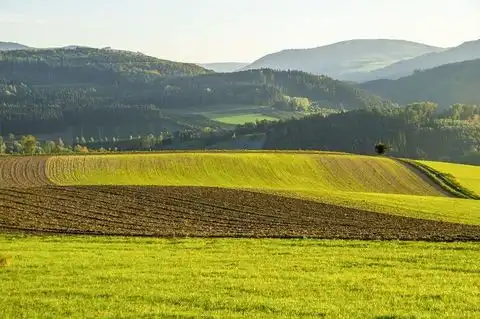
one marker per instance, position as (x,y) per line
(209,212)
(178,195)
(23,171)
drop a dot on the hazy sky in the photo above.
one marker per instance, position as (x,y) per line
(233,30)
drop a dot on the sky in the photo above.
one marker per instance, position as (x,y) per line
(233,30)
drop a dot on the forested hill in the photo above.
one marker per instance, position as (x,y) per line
(445,85)
(87,65)
(267,87)
(48,97)
(414,131)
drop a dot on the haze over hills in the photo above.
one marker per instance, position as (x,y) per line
(345,60)
(447,84)
(466,51)
(223,67)
(8,46)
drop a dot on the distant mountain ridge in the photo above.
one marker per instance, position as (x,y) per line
(447,84)
(9,46)
(464,52)
(345,60)
(224,67)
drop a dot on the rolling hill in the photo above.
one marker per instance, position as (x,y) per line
(94,97)
(344,60)
(445,85)
(83,65)
(350,184)
(466,51)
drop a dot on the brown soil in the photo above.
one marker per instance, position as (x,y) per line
(22,171)
(204,212)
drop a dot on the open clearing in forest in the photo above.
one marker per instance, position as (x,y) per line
(117,277)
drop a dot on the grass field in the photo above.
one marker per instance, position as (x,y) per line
(79,277)
(467,175)
(246,170)
(243,118)
(369,183)
(182,195)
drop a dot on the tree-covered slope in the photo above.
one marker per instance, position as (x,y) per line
(137,103)
(413,131)
(87,65)
(445,85)
(266,87)
(344,60)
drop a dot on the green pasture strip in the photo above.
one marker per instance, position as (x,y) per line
(98,277)
(465,178)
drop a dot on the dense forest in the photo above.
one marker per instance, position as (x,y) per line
(416,131)
(445,85)
(93,92)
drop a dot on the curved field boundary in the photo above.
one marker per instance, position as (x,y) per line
(205,212)
(266,171)
(22,171)
(446,181)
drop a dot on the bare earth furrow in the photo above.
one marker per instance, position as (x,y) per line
(186,208)
(204,212)
(197,201)
(23,171)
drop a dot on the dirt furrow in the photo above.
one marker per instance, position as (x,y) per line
(205,212)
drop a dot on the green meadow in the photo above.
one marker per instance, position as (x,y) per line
(98,277)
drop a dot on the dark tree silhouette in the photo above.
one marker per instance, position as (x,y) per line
(381,148)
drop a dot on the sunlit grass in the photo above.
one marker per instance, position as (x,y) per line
(242,118)
(467,175)
(287,171)
(77,277)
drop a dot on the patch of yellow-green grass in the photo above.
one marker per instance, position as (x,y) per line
(116,277)
(447,209)
(279,171)
(370,183)
(466,175)
(243,118)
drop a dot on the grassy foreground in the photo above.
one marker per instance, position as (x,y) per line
(97,277)
(369,183)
